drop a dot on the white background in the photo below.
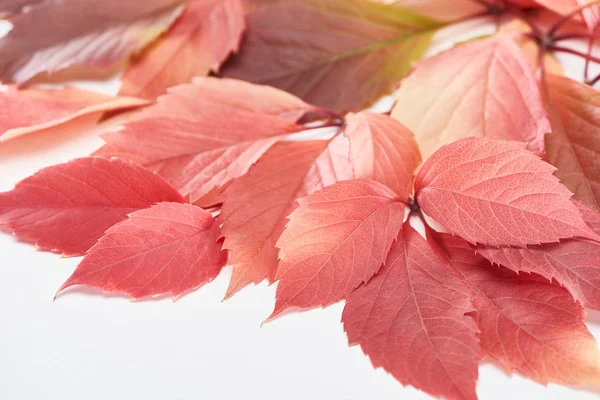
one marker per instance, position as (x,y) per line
(87,346)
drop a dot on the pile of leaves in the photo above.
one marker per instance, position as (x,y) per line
(461,225)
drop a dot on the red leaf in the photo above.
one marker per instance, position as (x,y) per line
(169,247)
(337,54)
(257,204)
(497,193)
(94,33)
(574,263)
(574,144)
(483,88)
(68,207)
(31,110)
(198,138)
(197,43)
(335,240)
(411,320)
(383,150)
(526,323)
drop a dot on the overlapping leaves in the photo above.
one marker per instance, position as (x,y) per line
(503,260)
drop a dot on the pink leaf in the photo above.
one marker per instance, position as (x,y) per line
(483,88)
(257,204)
(200,136)
(411,320)
(198,42)
(526,323)
(68,207)
(31,110)
(383,150)
(335,240)
(168,248)
(497,193)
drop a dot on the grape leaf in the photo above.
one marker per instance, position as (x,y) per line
(335,240)
(411,320)
(383,150)
(525,322)
(497,193)
(441,10)
(483,88)
(30,110)
(167,248)
(95,33)
(256,205)
(198,42)
(198,138)
(337,54)
(574,144)
(68,207)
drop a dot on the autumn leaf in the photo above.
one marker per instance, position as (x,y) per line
(483,88)
(30,110)
(256,205)
(337,54)
(198,42)
(573,263)
(335,240)
(168,248)
(590,14)
(9,7)
(497,193)
(441,10)
(526,323)
(94,33)
(411,319)
(383,150)
(574,144)
(202,135)
(68,207)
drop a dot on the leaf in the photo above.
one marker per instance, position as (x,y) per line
(9,7)
(198,138)
(337,54)
(573,263)
(441,10)
(256,205)
(383,150)
(411,320)
(525,322)
(198,42)
(564,7)
(94,33)
(31,110)
(335,240)
(574,144)
(483,88)
(497,193)
(68,207)
(168,248)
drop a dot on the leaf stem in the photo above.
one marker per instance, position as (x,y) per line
(573,52)
(594,81)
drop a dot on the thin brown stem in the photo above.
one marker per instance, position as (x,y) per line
(561,49)
(594,81)
(591,42)
(571,36)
